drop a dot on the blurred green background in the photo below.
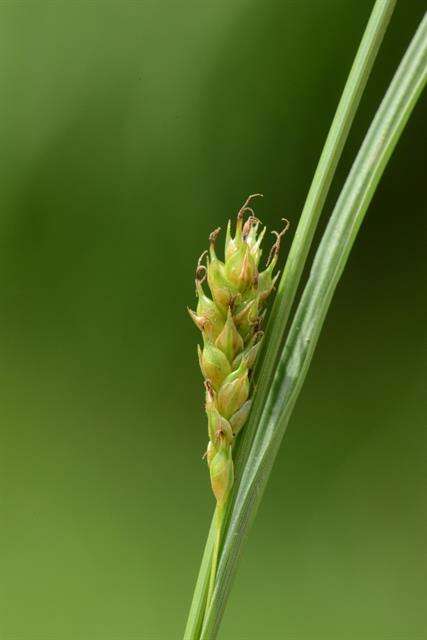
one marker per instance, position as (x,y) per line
(129,131)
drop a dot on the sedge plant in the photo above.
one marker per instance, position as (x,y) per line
(285,362)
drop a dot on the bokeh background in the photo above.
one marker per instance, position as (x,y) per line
(129,131)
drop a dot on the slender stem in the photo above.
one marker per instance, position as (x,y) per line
(328,265)
(219,519)
(198,604)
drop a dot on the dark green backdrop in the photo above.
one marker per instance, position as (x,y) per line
(128,131)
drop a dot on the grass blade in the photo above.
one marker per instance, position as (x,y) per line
(197,609)
(331,154)
(327,268)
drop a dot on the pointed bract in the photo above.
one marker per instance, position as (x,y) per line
(222,474)
(222,290)
(239,418)
(218,426)
(229,340)
(209,312)
(232,394)
(214,365)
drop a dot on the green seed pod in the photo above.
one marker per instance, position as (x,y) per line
(229,340)
(240,268)
(214,364)
(207,309)
(249,355)
(239,418)
(218,426)
(233,393)
(235,373)
(246,317)
(230,322)
(222,473)
(222,290)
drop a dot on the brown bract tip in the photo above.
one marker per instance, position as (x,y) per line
(201,270)
(250,222)
(276,246)
(214,235)
(247,201)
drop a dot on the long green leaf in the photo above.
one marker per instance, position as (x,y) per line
(326,271)
(322,179)
(331,154)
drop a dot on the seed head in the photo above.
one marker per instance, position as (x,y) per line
(230,321)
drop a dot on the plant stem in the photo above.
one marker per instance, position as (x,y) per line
(219,520)
(328,265)
(198,604)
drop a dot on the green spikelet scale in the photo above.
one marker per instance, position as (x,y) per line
(230,321)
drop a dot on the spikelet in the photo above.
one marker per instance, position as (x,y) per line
(230,321)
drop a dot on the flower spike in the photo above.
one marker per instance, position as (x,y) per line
(230,320)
